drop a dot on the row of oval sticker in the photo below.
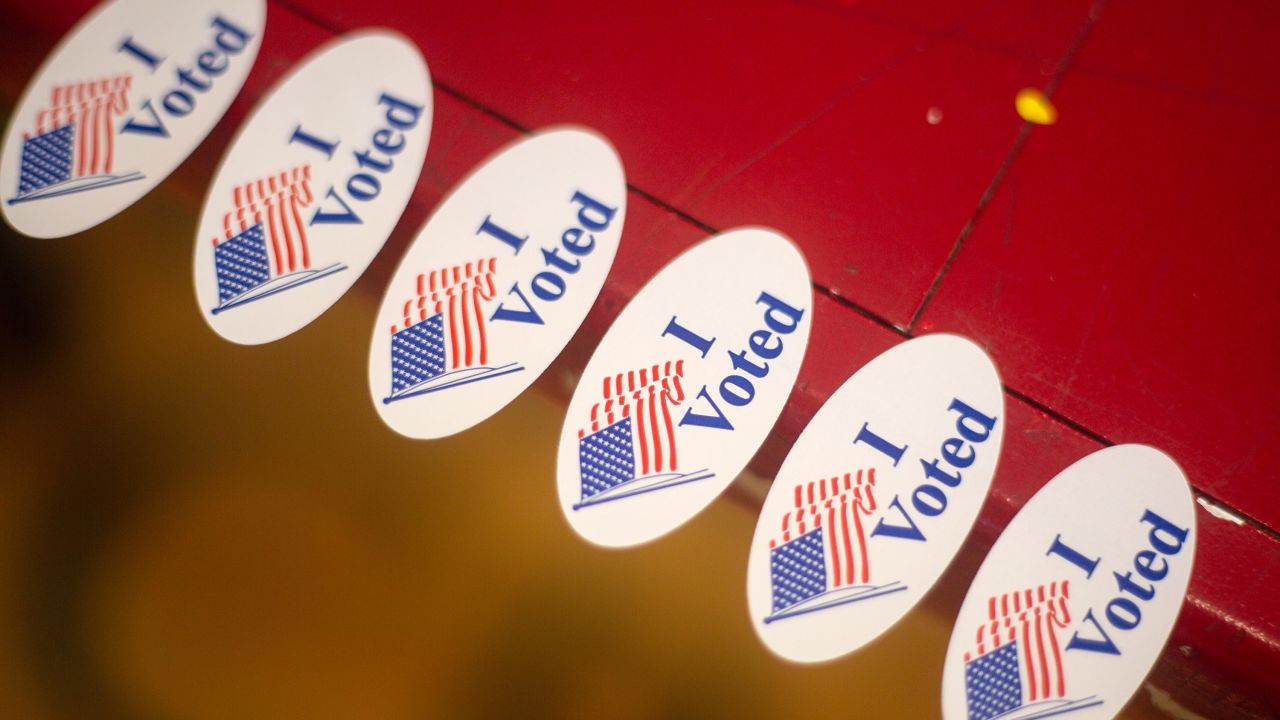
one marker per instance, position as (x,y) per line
(1067,613)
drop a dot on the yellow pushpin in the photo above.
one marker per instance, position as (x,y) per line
(1033,106)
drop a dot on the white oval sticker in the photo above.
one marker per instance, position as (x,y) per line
(122,101)
(312,186)
(875,498)
(1073,604)
(684,387)
(497,282)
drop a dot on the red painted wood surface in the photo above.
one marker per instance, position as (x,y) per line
(1119,273)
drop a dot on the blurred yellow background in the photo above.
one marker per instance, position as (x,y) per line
(191,529)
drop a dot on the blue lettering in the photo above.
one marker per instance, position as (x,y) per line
(189,79)
(150,59)
(388,141)
(156,128)
(573,242)
(594,215)
(363,186)
(494,230)
(745,392)
(1123,613)
(549,285)
(528,315)
(315,143)
(212,63)
(934,472)
(694,340)
(1127,584)
(928,499)
(738,389)
(779,316)
(968,419)
(401,114)
(953,451)
(759,344)
(346,217)
(177,102)
(1072,556)
(909,531)
(552,259)
(1146,564)
(1102,644)
(886,448)
(718,421)
(230,38)
(1165,537)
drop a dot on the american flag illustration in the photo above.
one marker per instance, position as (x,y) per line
(445,328)
(74,134)
(275,204)
(1016,658)
(457,292)
(263,235)
(822,545)
(649,394)
(631,434)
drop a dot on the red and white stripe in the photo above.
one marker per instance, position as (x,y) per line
(92,107)
(647,396)
(458,291)
(276,202)
(1032,617)
(839,504)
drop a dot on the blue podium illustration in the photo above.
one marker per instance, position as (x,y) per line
(629,447)
(819,559)
(72,147)
(264,248)
(444,341)
(1015,670)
